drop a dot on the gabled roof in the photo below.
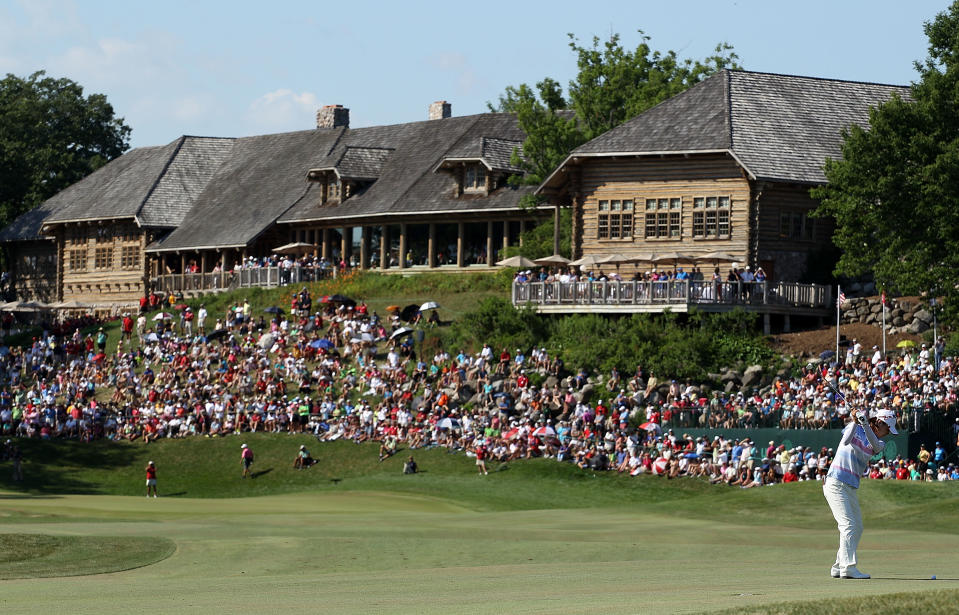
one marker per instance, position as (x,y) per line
(262,177)
(184,179)
(407,183)
(494,153)
(778,127)
(361,163)
(155,186)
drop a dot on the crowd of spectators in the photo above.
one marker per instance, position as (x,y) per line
(344,372)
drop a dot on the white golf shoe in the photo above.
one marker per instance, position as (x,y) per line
(834,572)
(853,573)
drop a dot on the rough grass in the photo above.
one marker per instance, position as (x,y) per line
(24,556)
(937,602)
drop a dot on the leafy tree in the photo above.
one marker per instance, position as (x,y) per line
(894,194)
(612,85)
(51,136)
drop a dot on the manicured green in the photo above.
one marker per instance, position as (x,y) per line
(25,556)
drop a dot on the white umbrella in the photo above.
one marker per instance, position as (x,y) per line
(516,261)
(266,341)
(299,247)
(588,261)
(400,332)
(544,432)
(554,259)
(162,316)
(429,305)
(448,423)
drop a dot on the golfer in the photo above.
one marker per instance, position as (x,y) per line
(246,457)
(151,479)
(861,439)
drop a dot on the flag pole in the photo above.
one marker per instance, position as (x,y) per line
(838,303)
(884,324)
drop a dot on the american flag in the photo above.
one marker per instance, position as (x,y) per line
(884,297)
(840,299)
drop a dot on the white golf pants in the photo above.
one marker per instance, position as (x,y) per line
(844,503)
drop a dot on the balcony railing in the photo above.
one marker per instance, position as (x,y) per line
(672,292)
(266,277)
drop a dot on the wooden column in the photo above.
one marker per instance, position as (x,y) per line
(346,243)
(325,252)
(385,247)
(431,247)
(182,263)
(489,244)
(403,238)
(505,234)
(364,247)
(460,231)
(203,262)
(522,229)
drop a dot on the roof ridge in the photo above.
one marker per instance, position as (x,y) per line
(811,78)
(156,182)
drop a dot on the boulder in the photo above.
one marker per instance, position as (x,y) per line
(917,327)
(551,382)
(731,375)
(876,307)
(923,315)
(587,391)
(497,385)
(730,386)
(752,376)
(898,321)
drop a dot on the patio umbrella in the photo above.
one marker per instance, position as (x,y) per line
(324,343)
(554,259)
(18,306)
(717,257)
(675,257)
(429,305)
(162,316)
(516,261)
(512,433)
(295,248)
(71,305)
(588,261)
(906,344)
(274,310)
(400,332)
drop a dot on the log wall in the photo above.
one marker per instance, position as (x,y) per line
(102,262)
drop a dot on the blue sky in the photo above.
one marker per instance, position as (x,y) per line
(238,68)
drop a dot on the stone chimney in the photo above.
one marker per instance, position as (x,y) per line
(333,116)
(440,110)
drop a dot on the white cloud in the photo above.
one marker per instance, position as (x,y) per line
(281,110)
(464,75)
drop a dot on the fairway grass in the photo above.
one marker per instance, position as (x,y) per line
(353,535)
(380,552)
(24,556)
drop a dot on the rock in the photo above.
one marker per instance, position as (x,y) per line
(587,391)
(730,386)
(917,327)
(923,315)
(551,382)
(752,376)
(876,308)
(713,377)
(497,385)
(731,376)
(898,321)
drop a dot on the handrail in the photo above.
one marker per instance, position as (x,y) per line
(267,277)
(671,292)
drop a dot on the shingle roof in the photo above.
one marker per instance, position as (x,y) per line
(407,181)
(118,189)
(363,162)
(183,180)
(781,127)
(261,178)
(156,185)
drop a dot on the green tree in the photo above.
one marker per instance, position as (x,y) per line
(894,194)
(51,136)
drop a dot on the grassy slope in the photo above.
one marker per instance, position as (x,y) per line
(26,556)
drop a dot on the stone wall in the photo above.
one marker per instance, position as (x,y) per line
(902,315)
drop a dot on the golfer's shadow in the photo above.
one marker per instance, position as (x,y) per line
(261,473)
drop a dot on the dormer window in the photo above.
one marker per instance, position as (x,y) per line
(474,179)
(333,190)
